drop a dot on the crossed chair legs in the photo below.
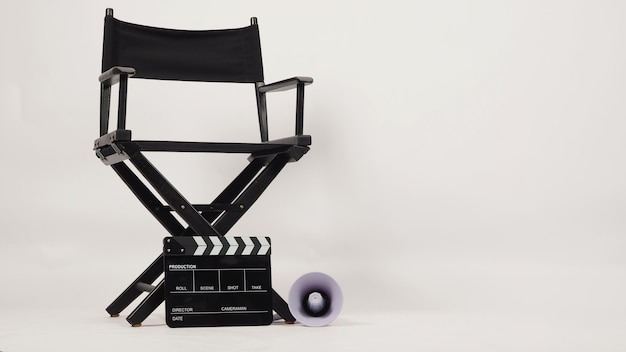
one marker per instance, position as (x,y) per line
(216,218)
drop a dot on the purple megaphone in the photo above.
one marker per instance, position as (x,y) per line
(315,299)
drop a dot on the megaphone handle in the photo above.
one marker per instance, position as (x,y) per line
(282,308)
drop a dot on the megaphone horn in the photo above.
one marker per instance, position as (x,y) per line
(315,299)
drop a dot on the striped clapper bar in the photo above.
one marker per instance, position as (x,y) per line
(217,281)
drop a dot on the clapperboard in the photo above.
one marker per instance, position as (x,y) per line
(217,281)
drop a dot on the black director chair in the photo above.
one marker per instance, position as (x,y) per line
(230,55)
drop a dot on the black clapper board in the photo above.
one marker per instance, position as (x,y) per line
(217,281)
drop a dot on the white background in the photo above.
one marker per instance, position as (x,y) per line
(465,184)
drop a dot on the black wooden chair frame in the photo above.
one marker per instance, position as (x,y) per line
(266,160)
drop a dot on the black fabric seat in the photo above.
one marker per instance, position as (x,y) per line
(227,55)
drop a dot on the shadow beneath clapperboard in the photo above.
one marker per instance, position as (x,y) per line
(158,320)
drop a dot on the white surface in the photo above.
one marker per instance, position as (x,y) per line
(409,331)
(465,185)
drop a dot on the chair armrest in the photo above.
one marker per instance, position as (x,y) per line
(286,84)
(290,83)
(116,74)
(112,75)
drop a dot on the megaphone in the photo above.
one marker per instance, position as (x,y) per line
(315,299)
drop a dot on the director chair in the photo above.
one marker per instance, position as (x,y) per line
(230,55)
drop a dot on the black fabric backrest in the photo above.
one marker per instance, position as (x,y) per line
(227,55)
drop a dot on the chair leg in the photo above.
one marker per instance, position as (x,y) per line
(250,195)
(229,194)
(133,291)
(145,196)
(148,305)
(176,200)
(282,308)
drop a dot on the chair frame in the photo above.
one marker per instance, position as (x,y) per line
(266,160)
